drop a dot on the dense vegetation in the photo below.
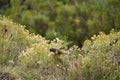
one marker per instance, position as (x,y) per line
(25,56)
(71,20)
(61,40)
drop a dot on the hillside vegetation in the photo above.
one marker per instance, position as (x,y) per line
(70,20)
(26,56)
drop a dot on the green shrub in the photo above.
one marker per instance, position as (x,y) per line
(13,39)
(102,57)
(9,73)
(71,20)
(25,56)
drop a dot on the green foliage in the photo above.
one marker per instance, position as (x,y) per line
(9,73)
(25,56)
(71,20)
(12,39)
(102,57)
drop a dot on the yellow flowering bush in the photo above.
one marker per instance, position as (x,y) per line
(25,56)
(102,57)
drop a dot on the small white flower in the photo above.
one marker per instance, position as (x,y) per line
(57,39)
(57,65)
(11,61)
(39,62)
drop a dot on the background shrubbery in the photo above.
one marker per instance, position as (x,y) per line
(25,56)
(71,20)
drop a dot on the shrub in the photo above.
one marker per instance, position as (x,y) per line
(71,20)
(102,57)
(25,56)
(9,73)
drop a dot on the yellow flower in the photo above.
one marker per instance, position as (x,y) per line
(77,21)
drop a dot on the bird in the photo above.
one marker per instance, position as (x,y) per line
(56,51)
